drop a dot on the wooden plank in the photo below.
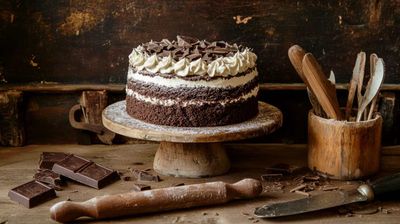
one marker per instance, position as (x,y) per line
(86,41)
(120,88)
(248,160)
(12,130)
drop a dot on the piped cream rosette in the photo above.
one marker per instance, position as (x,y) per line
(223,66)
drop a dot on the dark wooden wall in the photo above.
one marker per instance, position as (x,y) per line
(89,41)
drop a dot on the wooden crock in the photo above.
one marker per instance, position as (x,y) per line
(344,150)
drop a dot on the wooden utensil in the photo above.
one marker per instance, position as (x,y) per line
(373,87)
(296,54)
(358,70)
(373,58)
(324,91)
(163,199)
(361,81)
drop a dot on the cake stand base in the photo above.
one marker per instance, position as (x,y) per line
(193,160)
(191,151)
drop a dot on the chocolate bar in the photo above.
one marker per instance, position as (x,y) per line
(85,171)
(47,159)
(49,177)
(31,194)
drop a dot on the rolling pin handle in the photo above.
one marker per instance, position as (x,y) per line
(246,188)
(67,211)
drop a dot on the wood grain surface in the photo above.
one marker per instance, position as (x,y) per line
(89,41)
(248,160)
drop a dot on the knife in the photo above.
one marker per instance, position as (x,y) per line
(365,192)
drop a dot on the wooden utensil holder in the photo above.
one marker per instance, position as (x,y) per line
(344,150)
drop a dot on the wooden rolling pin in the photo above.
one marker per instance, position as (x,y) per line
(163,199)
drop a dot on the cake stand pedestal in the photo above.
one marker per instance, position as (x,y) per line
(192,152)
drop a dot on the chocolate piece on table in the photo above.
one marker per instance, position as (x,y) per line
(49,177)
(31,194)
(85,171)
(145,176)
(47,159)
(141,187)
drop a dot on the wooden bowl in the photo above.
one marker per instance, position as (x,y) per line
(344,150)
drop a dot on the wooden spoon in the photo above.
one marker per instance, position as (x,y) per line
(361,79)
(373,58)
(296,54)
(373,86)
(357,70)
(324,91)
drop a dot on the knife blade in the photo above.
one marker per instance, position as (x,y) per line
(365,192)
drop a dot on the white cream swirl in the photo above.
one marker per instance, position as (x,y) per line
(223,66)
(198,67)
(182,67)
(166,65)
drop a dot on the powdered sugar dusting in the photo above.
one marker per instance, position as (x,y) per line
(268,120)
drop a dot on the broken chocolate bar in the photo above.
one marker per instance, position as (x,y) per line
(47,159)
(49,177)
(85,171)
(31,194)
(141,187)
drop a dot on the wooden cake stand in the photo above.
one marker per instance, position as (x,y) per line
(191,151)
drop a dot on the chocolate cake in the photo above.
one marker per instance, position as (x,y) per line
(192,83)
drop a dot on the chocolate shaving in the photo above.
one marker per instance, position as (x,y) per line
(141,187)
(300,187)
(191,48)
(145,176)
(271,176)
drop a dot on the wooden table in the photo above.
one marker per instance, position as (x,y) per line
(17,166)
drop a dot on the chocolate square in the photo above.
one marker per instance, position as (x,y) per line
(31,194)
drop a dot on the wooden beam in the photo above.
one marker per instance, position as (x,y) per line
(120,87)
(12,131)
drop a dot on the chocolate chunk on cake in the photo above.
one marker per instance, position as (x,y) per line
(192,83)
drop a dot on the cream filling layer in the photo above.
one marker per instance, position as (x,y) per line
(176,82)
(177,101)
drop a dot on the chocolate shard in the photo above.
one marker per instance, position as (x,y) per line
(31,194)
(85,171)
(194,57)
(47,159)
(142,175)
(49,177)
(141,187)
(186,41)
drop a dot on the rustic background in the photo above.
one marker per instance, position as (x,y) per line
(86,43)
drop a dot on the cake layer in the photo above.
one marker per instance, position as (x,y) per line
(197,115)
(196,94)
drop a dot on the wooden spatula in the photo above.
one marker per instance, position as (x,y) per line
(324,91)
(296,54)
(372,88)
(373,59)
(358,71)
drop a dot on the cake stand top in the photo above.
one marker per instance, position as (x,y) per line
(117,120)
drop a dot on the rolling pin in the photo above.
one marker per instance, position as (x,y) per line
(156,200)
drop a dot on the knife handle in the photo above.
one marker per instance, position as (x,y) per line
(387,184)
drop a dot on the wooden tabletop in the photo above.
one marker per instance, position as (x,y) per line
(17,166)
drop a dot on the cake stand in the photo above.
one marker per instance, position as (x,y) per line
(192,152)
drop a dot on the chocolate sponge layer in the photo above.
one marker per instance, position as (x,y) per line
(192,115)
